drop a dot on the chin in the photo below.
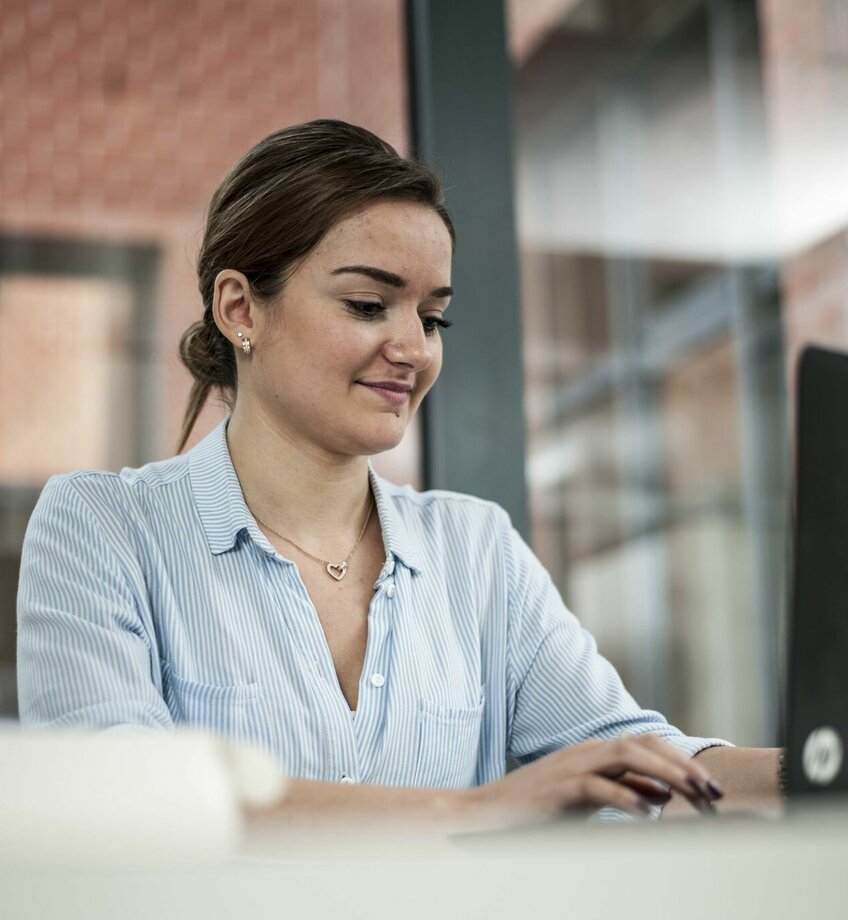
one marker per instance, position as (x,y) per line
(377,439)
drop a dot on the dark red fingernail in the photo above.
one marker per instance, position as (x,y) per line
(700,788)
(644,806)
(715,789)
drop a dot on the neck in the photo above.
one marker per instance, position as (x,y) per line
(307,494)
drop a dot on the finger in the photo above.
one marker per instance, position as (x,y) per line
(590,756)
(589,789)
(617,757)
(697,777)
(696,796)
(706,783)
(651,789)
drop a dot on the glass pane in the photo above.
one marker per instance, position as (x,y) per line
(575,490)
(698,399)
(566,332)
(709,590)
(77,410)
(651,346)
(670,279)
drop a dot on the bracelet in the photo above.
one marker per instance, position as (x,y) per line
(782,785)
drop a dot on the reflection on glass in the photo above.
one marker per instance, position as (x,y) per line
(79,415)
(654,344)
(669,279)
(564,343)
(699,400)
(575,492)
(711,631)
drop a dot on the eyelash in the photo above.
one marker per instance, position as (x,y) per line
(369,310)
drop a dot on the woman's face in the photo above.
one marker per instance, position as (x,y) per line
(346,355)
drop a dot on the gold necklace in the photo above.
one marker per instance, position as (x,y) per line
(336,570)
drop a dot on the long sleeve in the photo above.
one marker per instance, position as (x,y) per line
(561,689)
(86,656)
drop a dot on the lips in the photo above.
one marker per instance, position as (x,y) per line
(388,385)
(389,390)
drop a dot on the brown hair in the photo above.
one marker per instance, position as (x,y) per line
(271,210)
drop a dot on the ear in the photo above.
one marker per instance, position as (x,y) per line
(233,306)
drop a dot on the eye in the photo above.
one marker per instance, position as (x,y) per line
(365,309)
(431,323)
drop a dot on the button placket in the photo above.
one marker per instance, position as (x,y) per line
(335,727)
(374,687)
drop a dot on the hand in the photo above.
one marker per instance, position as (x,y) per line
(630,773)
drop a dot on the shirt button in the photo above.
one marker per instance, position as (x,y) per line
(390,591)
(347,779)
(377,680)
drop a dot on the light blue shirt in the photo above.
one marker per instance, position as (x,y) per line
(152,598)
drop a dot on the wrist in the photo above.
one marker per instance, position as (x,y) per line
(468,809)
(782,785)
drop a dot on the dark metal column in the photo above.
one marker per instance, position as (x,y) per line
(460,85)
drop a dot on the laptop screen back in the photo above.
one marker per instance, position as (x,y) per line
(817,698)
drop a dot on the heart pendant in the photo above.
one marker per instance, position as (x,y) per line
(337,570)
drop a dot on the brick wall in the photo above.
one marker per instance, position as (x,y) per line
(120,118)
(805,63)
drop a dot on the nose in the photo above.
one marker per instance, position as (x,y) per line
(408,345)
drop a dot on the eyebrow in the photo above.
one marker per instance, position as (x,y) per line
(384,277)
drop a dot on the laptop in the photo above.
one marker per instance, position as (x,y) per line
(817,686)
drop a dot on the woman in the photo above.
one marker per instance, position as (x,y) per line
(389,647)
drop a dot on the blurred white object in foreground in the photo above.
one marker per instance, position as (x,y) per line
(74,799)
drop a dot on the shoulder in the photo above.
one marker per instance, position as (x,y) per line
(452,529)
(107,496)
(442,505)
(470,529)
(139,480)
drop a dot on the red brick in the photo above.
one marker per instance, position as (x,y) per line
(127,115)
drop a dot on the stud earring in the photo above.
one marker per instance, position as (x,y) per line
(245,344)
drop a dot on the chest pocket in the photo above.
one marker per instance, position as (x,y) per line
(238,711)
(448,744)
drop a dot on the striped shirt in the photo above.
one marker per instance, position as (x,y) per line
(152,598)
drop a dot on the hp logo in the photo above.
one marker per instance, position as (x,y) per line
(822,756)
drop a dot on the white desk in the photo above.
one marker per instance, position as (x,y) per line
(717,869)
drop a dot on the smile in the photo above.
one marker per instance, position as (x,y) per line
(395,393)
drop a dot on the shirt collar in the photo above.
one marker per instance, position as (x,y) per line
(217,491)
(224,514)
(398,540)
